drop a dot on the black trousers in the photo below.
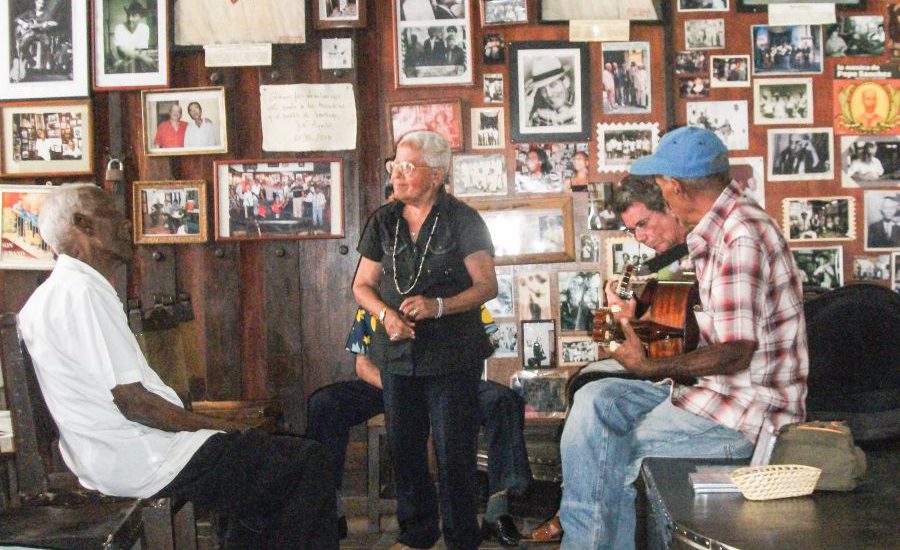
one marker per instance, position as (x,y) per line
(276,491)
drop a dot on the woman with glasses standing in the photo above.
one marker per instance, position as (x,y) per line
(426,267)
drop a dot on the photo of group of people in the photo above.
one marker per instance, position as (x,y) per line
(825,218)
(551,167)
(434,42)
(168,210)
(47,136)
(789,49)
(505,12)
(730,71)
(782,101)
(488,128)
(619,145)
(869,161)
(479,175)
(575,350)
(728,119)
(872,268)
(702,5)
(855,35)
(704,34)
(626,77)
(21,245)
(691,62)
(693,87)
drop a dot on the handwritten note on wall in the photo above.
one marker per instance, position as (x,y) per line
(308,117)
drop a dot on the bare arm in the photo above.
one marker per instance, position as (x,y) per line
(145,407)
(480,266)
(365,290)
(367,371)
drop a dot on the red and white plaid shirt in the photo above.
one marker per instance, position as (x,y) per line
(750,290)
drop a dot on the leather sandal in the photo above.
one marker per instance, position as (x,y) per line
(549,531)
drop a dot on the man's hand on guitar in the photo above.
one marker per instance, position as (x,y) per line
(626,307)
(631,352)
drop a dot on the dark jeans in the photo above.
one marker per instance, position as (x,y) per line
(275,491)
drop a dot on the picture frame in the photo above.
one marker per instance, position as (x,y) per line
(589,249)
(505,340)
(433,44)
(727,119)
(494,49)
(872,268)
(878,206)
(43,54)
(895,268)
(623,250)
(551,167)
(694,87)
(503,305)
(628,62)
(544,391)
(493,87)
(533,295)
(270,22)
(279,199)
(641,139)
(704,34)
(529,230)
(560,12)
(538,344)
(46,138)
(820,267)
(763,5)
(694,6)
(442,117)
(21,245)
(549,92)
(600,214)
(163,137)
(866,106)
(751,172)
(782,101)
(339,14)
(488,127)
(729,71)
(337,54)
(169,212)
(773,49)
(819,219)
(576,351)
(855,36)
(800,154)
(495,13)
(691,62)
(131,46)
(579,296)
(870,161)
(479,175)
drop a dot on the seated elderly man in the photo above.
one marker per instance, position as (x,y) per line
(125,433)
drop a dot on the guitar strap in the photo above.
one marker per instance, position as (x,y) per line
(658,262)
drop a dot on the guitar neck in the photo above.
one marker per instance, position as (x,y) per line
(624,290)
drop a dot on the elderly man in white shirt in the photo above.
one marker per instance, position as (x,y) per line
(124,432)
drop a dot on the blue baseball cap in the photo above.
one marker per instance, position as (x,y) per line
(687,152)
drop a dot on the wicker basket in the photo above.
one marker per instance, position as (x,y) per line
(776,481)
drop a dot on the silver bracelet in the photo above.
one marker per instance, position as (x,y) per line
(440,311)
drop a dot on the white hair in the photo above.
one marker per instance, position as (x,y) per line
(434,147)
(59,209)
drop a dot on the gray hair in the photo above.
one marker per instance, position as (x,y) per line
(59,209)
(712,182)
(434,147)
(641,189)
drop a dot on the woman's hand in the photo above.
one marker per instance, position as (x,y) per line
(416,308)
(398,327)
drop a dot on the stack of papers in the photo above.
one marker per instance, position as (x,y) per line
(712,479)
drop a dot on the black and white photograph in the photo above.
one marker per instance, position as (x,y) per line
(872,268)
(782,101)
(820,267)
(504,304)
(430,10)
(505,340)
(185,121)
(626,78)
(727,119)
(43,49)
(434,42)
(704,34)
(621,251)
(494,49)
(128,52)
(693,87)
(882,219)
(702,5)
(895,262)
(533,295)
(870,161)
(493,88)
(479,175)
(691,62)
(504,12)
(600,214)
(538,344)
(576,350)
(806,154)
(855,35)
(544,392)
(579,296)
(547,167)
(337,54)
(549,99)
(730,71)
(488,128)
(330,14)
(819,219)
(589,248)
(619,145)
(785,50)
(750,172)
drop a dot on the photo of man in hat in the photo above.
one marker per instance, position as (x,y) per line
(549,93)
(130,51)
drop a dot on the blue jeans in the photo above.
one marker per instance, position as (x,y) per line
(612,426)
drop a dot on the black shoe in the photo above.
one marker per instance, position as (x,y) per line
(503,529)
(342,528)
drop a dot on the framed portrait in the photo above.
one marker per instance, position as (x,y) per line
(782,101)
(727,119)
(872,268)
(691,62)
(334,14)
(867,106)
(870,161)
(693,87)
(494,49)
(533,295)
(549,98)
(730,71)
(588,248)
(130,44)
(505,340)
(21,245)
(442,117)
(530,231)
(800,154)
(43,49)
(763,5)
(575,351)
(620,144)
(563,11)
(488,128)
(538,344)
(626,78)
(336,54)
(185,121)
(786,50)
(881,209)
(433,43)
(600,213)
(855,35)
(47,138)
(169,212)
(279,199)
(819,218)
(551,167)
(621,251)
(201,22)
(751,172)
(702,5)
(579,297)
(479,175)
(544,391)
(504,12)
(820,267)
(704,34)
(493,87)
(504,304)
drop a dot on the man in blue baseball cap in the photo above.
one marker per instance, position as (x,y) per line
(751,364)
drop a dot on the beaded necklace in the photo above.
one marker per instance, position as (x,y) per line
(421,262)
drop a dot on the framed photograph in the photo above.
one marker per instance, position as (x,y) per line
(544,391)
(819,219)
(782,101)
(433,43)
(867,106)
(882,219)
(504,304)
(334,14)
(551,167)
(704,34)
(691,62)
(895,261)
(600,214)
(763,5)
(494,49)
(185,121)
(693,87)
(169,212)
(870,161)
(21,245)
(443,117)
(488,128)
(621,251)
(626,78)
(727,119)
(855,35)
(504,12)
(575,351)
(893,33)
(549,97)
(493,88)
(336,54)
(702,5)
(751,172)
(533,295)
(872,268)
(43,49)
(579,297)
(130,44)
(820,266)
(279,199)
(47,138)
(620,144)
(530,230)
(218,22)
(505,340)
(479,175)
(801,154)
(589,248)
(538,344)
(730,71)
(789,49)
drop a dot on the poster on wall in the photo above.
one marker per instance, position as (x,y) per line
(21,245)
(867,106)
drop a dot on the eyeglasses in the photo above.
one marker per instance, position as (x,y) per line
(639,226)
(406,168)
